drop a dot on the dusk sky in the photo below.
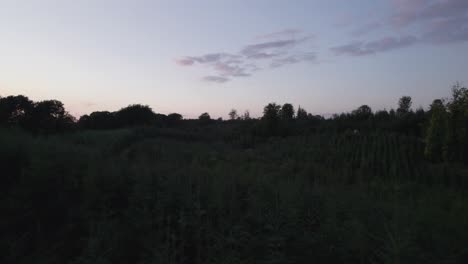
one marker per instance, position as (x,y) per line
(195,56)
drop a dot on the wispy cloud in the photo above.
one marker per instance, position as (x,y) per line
(273,53)
(206,59)
(408,12)
(367,28)
(292,59)
(385,44)
(234,70)
(215,79)
(270,49)
(440,21)
(447,31)
(436,21)
(185,61)
(286,33)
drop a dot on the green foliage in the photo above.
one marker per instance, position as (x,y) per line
(404,105)
(457,136)
(45,116)
(204,117)
(135,115)
(301,114)
(148,188)
(271,112)
(148,196)
(436,134)
(271,119)
(98,120)
(287,112)
(14,109)
(363,112)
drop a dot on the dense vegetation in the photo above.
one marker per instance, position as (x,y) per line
(134,186)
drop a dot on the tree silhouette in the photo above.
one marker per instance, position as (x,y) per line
(135,115)
(271,112)
(246,115)
(98,120)
(287,112)
(436,133)
(49,116)
(14,109)
(363,112)
(382,116)
(457,138)
(205,118)
(271,115)
(404,105)
(174,118)
(233,114)
(301,113)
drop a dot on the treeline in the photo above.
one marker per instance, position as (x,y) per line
(130,116)
(45,116)
(50,116)
(289,187)
(444,127)
(447,134)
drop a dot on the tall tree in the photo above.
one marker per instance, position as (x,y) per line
(98,120)
(404,105)
(270,119)
(271,112)
(287,112)
(457,137)
(135,115)
(14,109)
(233,114)
(174,118)
(49,116)
(363,112)
(204,118)
(246,115)
(301,113)
(436,133)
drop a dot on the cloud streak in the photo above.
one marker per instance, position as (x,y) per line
(269,49)
(416,11)
(206,59)
(436,21)
(385,44)
(292,59)
(215,79)
(367,28)
(286,33)
(272,53)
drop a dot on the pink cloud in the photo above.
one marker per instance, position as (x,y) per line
(185,61)
(447,31)
(226,69)
(408,12)
(274,52)
(437,21)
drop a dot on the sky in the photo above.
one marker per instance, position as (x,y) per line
(195,56)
